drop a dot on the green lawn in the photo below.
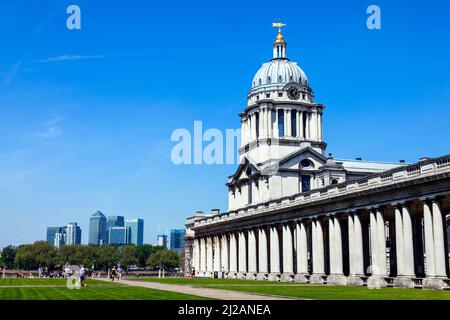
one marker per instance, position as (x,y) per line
(95,290)
(40,282)
(307,291)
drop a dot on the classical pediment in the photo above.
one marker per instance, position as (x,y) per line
(243,169)
(293,160)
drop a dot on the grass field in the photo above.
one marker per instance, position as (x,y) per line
(307,291)
(55,289)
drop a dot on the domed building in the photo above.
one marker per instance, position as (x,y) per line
(295,214)
(282,147)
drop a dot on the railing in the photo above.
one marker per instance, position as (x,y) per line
(424,168)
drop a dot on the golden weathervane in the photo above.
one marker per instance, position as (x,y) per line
(279,25)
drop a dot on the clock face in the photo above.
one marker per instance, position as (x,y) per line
(293,93)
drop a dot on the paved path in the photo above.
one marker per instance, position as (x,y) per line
(198,291)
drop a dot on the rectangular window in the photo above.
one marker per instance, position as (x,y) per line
(273,115)
(306,183)
(280,123)
(257,124)
(294,123)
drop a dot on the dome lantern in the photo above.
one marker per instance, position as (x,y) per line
(279,46)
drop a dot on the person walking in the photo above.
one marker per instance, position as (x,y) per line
(113,273)
(82,276)
(119,273)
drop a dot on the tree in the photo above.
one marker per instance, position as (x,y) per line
(32,256)
(7,256)
(107,256)
(127,255)
(143,252)
(67,254)
(164,258)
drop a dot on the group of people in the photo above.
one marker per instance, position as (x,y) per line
(116,273)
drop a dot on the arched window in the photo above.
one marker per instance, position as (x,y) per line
(280,79)
(269,80)
(334,181)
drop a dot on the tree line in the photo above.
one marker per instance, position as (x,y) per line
(102,257)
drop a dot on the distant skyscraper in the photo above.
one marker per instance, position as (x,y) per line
(114,221)
(59,239)
(119,235)
(97,229)
(177,240)
(51,234)
(136,235)
(73,234)
(161,240)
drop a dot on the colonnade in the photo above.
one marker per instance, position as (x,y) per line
(348,247)
(264,123)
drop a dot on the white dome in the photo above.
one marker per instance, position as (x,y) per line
(276,74)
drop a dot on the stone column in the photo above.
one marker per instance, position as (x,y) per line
(301,135)
(202,268)
(287,123)
(439,244)
(263,269)
(307,122)
(233,256)
(331,244)
(378,250)
(302,252)
(373,244)
(252,255)
(224,254)
(313,126)
(242,268)
(434,246)
(408,242)
(269,123)
(243,140)
(318,253)
(399,241)
(336,259)
(276,132)
(217,255)
(262,123)
(404,248)
(209,256)
(356,253)
(429,241)
(381,238)
(196,256)
(274,254)
(319,126)
(288,254)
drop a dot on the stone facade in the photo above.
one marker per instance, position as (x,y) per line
(296,215)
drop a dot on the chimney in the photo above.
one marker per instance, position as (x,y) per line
(215,212)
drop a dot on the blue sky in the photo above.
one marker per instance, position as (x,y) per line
(86,115)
